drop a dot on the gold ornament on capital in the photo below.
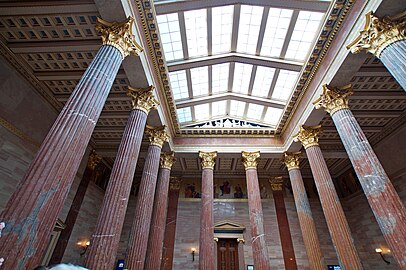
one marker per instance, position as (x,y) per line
(208,159)
(291,160)
(250,159)
(308,135)
(167,160)
(142,99)
(333,99)
(93,160)
(276,183)
(157,135)
(174,182)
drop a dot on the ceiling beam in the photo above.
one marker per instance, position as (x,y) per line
(84,45)
(66,75)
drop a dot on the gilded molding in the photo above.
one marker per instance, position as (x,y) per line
(333,99)
(208,159)
(308,135)
(142,99)
(379,33)
(174,182)
(119,35)
(276,183)
(157,135)
(13,129)
(167,160)
(93,160)
(241,240)
(250,159)
(291,160)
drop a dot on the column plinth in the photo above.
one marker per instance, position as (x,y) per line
(32,210)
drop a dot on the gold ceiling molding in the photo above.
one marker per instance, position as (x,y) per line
(333,99)
(142,99)
(208,159)
(16,131)
(157,135)
(250,159)
(308,136)
(291,160)
(167,160)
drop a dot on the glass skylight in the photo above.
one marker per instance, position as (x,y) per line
(284,85)
(179,84)
(275,32)
(218,108)
(263,81)
(222,24)
(255,111)
(273,115)
(170,36)
(200,81)
(184,114)
(202,111)
(196,32)
(305,30)
(248,30)
(237,108)
(242,75)
(220,78)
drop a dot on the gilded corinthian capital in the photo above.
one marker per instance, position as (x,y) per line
(208,159)
(333,99)
(174,182)
(308,135)
(250,159)
(291,160)
(142,98)
(379,33)
(157,135)
(93,160)
(167,160)
(119,35)
(276,183)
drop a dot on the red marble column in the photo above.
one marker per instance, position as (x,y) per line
(104,243)
(32,210)
(170,229)
(73,213)
(259,249)
(206,244)
(157,230)
(333,212)
(385,203)
(288,252)
(137,246)
(304,212)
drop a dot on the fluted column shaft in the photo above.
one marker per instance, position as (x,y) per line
(105,239)
(333,212)
(306,221)
(394,59)
(385,203)
(31,212)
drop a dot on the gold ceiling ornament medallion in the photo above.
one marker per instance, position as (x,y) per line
(167,160)
(142,98)
(333,99)
(379,33)
(208,159)
(291,160)
(93,160)
(250,159)
(174,182)
(276,183)
(119,35)
(157,135)
(308,135)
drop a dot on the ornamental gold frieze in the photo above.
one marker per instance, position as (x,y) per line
(378,33)
(119,35)
(208,159)
(167,160)
(333,99)
(157,135)
(276,183)
(142,98)
(93,160)
(291,160)
(250,159)
(308,136)
(174,182)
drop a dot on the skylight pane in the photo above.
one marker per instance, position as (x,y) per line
(202,111)
(179,84)
(237,108)
(248,30)
(221,28)
(254,111)
(200,81)
(184,114)
(305,30)
(273,115)
(242,76)
(275,32)
(196,32)
(263,81)
(284,85)
(218,108)
(170,36)
(220,77)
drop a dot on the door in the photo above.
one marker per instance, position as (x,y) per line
(227,254)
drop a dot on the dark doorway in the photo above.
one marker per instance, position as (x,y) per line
(227,254)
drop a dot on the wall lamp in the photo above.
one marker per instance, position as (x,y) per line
(379,250)
(83,246)
(193,254)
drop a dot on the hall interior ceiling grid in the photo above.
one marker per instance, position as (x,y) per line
(236,63)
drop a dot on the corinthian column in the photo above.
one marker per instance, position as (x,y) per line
(31,212)
(206,245)
(386,39)
(259,249)
(333,212)
(304,212)
(385,203)
(104,243)
(157,231)
(137,246)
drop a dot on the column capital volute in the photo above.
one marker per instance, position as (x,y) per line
(174,182)
(241,240)
(142,98)
(276,183)
(119,35)
(291,160)
(208,159)
(250,159)
(167,160)
(93,160)
(308,135)
(157,135)
(333,99)
(378,33)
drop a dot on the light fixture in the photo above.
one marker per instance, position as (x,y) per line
(83,245)
(193,254)
(379,250)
